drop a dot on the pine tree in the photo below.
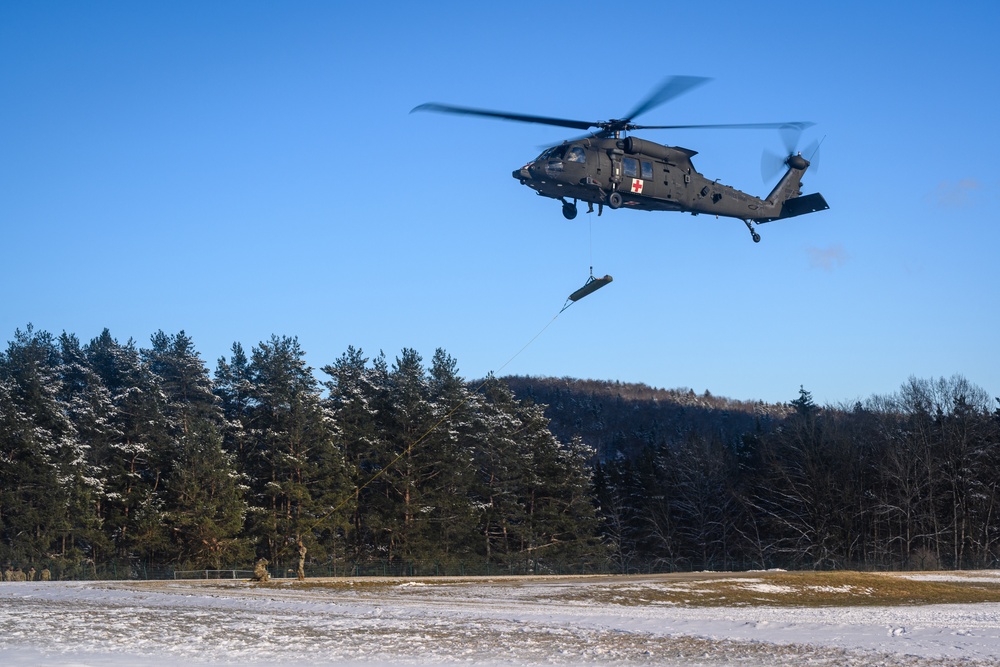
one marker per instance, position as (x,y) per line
(449,515)
(132,507)
(354,389)
(409,421)
(88,405)
(298,476)
(234,388)
(43,459)
(502,463)
(562,517)
(203,502)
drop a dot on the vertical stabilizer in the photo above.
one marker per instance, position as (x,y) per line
(786,200)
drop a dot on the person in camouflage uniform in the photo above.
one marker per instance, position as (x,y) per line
(260,572)
(302,561)
(8,574)
(45,575)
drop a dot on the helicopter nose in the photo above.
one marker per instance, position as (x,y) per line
(521,174)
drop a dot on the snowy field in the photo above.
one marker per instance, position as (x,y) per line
(654,620)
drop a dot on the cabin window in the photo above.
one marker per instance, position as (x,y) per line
(576,154)
(647,170)
(631,166)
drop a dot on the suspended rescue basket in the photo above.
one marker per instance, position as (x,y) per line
(592,285)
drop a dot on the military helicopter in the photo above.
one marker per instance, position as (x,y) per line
(610,168)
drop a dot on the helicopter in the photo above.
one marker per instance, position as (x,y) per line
(609,167)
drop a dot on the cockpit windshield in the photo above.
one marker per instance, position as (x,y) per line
(564,152)
(554,153)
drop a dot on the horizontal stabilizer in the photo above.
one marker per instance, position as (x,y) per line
(802,205)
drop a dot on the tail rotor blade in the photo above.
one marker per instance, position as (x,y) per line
(771,165)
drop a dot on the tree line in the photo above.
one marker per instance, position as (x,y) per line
(112,453)
(685,481)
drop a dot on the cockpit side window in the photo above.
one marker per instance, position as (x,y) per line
(631,167)
(576,154)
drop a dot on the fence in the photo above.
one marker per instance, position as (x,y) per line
(213,574)
(123,570)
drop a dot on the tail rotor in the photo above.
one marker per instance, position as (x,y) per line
(771,164)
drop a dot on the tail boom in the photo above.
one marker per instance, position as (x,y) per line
(786,200)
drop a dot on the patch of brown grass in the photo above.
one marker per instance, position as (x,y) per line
(793,589)
(709,589)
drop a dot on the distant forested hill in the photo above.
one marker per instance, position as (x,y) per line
(617,418)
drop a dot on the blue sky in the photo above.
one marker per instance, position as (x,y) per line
(242,169)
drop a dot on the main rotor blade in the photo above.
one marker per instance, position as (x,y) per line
(672,87)
(521,118)
(796,126)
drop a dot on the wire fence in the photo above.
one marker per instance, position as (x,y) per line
(131,570)
(213,574)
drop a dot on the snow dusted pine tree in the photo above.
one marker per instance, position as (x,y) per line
(535,492)
(298,475)
(204,502)
(88,405)
(409,419)
(132,507)
(353,393)
(501,465)
(43,469)
(450,515)
(234,388)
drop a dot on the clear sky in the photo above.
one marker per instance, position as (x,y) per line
(242,169)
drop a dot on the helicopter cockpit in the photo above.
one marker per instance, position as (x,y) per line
(553,159)
(564,152)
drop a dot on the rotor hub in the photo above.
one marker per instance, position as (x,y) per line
(797,161)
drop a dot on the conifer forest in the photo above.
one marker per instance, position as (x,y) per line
(121,460)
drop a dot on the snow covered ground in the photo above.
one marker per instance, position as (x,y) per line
(502,622)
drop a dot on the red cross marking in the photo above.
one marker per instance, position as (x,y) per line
(637,185)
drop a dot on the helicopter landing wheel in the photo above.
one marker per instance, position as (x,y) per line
(753,232)
(614,200)
(756,237)
(569,210)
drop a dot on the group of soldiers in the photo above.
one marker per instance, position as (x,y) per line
(17,574)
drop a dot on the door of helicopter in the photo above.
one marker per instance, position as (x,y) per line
(616,168)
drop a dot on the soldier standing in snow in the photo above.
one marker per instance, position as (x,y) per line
(302,561)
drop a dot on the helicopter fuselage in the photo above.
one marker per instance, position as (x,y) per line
(647,176)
